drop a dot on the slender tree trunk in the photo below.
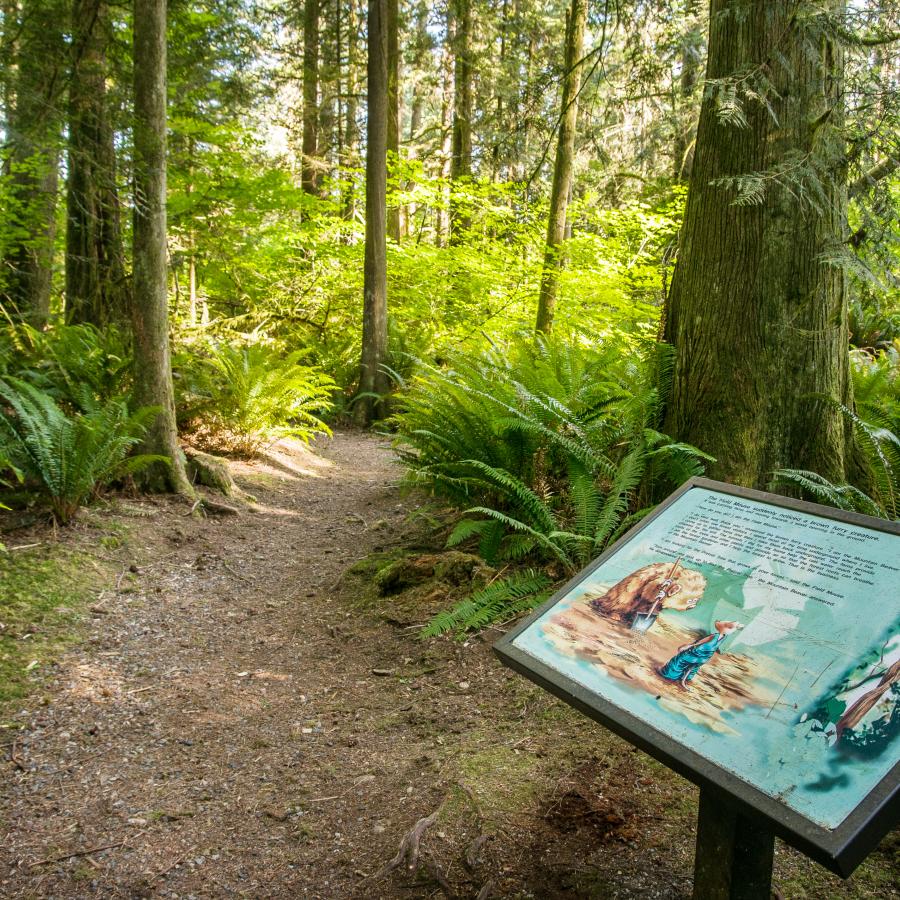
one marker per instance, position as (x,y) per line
(442,224)
(372,379)
(34,121)
(95,258)
(152,366)
(757,313)
(461,145)
(498,127)
(351,128)
(309,166)
(393,108)
(683,150)
(562,170)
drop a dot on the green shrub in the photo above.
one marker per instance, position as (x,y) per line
(551,448)
(68,456)
(239,398)
(77,365)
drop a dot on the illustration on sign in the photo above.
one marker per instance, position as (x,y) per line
(764,638)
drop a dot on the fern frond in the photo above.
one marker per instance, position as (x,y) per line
(526,588)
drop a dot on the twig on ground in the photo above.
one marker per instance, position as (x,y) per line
(474,849)
(216,508)
(486,890)
(88,852)
(14,758)
(163,872)
(228,569)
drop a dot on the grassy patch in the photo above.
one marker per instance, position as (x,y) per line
(503,780)
(42,593)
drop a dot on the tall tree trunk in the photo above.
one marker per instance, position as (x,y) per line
(152,365)
(683,151)
(34,126)
(421,60)
(351,128)
(372,379)
(501,84)
(562,170)
(393,108)
(461,144)
(95,258)
(442,223)
(309,165)
(757,313)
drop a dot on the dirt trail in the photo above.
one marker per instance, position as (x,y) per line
(235,726)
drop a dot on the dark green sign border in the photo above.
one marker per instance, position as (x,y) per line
(840,849)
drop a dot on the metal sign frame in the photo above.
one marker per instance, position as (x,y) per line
(840,849)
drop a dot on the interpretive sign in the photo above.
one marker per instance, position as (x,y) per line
(752,643)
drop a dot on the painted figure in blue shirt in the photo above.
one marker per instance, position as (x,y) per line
(686,663)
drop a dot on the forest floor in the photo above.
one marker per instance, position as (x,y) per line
(240,715)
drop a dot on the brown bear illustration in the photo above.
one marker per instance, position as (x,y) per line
(674,586)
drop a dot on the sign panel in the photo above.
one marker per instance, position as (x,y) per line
(751,642)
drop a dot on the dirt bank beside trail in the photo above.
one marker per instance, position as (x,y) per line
(237,723)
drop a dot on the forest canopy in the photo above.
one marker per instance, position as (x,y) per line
(607,245)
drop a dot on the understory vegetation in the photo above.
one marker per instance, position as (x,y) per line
(526,361)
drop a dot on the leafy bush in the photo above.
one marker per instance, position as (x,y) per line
(77,365)
(238,398)
(549,447)
(68,456)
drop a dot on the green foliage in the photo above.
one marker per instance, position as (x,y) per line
(269,257)
(500,599)
(549,446)
(68,455)
(239,398)
(876,427)
(78,365)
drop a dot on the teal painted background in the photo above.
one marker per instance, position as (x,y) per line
(782,751)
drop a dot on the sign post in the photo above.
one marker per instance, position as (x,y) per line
(751,643)
(734,854)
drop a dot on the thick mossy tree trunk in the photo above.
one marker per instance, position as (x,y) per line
(757,311)
(152,365)
(309,165)
(576,18)
(95,258)
(35,44)
(372,379)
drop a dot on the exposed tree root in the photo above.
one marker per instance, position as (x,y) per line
(409,846)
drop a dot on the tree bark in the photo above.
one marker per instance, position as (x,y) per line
(422,46)
(562,169)
(95,258)
(351,129)
(152,366)
(393,108)
(442,217)
(309,176)
(34,135)
(757,315)
(372,379)
(682,149)
(461,142)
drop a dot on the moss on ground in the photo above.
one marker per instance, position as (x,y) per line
(42,594)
